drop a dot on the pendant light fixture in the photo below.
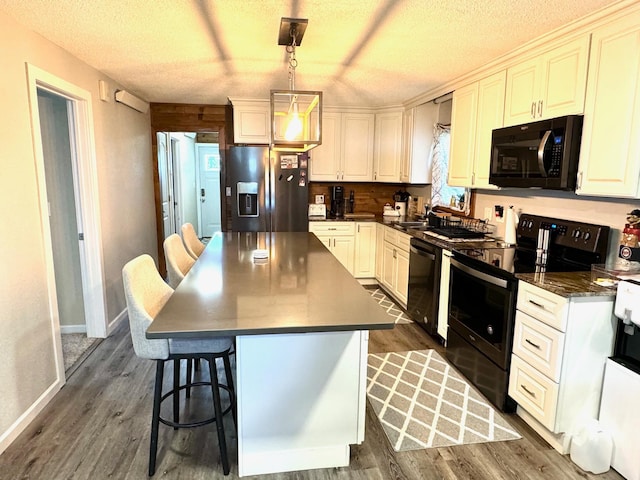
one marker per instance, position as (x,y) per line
(296,115)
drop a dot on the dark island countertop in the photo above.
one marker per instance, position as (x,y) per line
(567,284)
(300,288)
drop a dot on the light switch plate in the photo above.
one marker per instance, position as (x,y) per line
(319,198)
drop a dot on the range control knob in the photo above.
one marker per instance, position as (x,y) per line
(490,329)
(586,236)
(577,233)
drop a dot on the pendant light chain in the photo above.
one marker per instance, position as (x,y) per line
(293,62)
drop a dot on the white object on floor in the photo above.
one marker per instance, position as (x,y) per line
(591,448)
(619,414)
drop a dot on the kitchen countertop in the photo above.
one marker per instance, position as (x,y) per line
(300,288)
(567,284)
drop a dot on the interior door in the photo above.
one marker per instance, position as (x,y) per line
(165,174)
(208,155)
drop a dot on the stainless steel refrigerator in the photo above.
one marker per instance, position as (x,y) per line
(268,190)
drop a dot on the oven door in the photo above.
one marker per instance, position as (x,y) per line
(482,308)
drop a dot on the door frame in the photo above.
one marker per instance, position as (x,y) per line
(86,199)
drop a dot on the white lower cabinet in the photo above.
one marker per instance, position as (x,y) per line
(395,264)
(365,250)
(379,250)
(339,238)
(560,347)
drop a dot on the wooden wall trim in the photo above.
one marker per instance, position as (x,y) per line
(182,117)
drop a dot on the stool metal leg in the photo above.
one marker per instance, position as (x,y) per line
(190,362)
(176,392)
(232,390)
(155,417)
(215,390)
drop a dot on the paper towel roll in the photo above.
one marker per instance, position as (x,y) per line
(510,224)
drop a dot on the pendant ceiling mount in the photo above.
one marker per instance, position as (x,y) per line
(291,28)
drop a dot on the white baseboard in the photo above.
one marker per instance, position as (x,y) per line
(116,321)
(73,329)
(367,281)
(27,417)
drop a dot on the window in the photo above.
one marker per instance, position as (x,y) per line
(442,194)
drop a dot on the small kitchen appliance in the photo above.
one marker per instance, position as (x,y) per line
(621,387)
(317,211)
(401,198)
(336,194)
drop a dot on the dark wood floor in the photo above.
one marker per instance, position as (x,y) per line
(97,427)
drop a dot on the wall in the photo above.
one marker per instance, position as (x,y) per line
(565,205)
(123,152)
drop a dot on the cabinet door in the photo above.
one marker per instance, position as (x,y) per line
(610,150)
(402,276)
(379,250)
(463,135)
(325,239)
(343,249)
(564,80)
(357,147)
(522,92)
(388,147)
(490,115)
(443,306)
(388,266)
(407,144)
(324,164)
(365,250)
(251,123)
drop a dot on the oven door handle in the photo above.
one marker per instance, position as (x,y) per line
(498,282)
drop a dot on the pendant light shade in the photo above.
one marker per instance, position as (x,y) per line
(296,115)
(296,120)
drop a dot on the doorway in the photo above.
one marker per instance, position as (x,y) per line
(62,122)
(189,176)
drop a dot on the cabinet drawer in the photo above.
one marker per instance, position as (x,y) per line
(403,241)
(390,235)
(543,305)
(332,228)
(534,392)
(539,345)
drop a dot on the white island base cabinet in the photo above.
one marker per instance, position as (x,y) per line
(301,400)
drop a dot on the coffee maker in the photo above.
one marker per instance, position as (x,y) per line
(336,195)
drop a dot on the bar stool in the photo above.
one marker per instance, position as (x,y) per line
(191,241)
(146,293)
(179,262)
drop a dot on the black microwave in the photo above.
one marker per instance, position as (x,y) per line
(540,154)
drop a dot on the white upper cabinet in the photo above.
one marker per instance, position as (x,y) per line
(550,85)
(417,140)
(251,121)
(610,150)
(346,153)
(387,150)
(477,110)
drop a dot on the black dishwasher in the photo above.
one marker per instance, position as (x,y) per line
(424,284)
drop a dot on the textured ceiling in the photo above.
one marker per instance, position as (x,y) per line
(359,52)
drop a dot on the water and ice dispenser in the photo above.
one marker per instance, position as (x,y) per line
(247,199)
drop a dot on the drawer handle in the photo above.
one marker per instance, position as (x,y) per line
(539,305)
(532,344)
(524,387)
(330,228)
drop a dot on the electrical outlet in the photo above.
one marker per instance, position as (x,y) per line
(319,198)
(499,213)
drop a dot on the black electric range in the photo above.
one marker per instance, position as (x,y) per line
(483,292)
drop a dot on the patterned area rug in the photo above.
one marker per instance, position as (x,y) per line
(422,402)
(389,305)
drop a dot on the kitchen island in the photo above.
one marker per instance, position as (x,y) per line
(301,323)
